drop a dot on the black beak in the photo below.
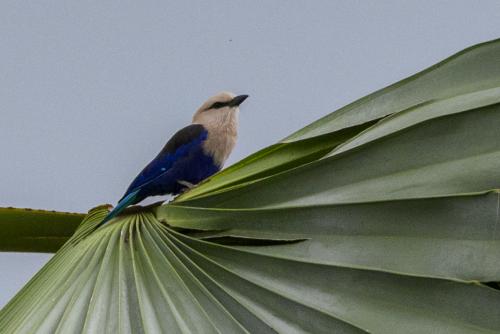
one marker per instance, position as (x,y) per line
(237,100)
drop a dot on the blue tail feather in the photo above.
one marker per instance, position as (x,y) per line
(126,201)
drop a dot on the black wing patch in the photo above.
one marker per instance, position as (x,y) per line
(182,137)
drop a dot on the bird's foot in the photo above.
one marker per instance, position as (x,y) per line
(186,184)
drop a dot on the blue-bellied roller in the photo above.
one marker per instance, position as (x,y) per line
(194,153)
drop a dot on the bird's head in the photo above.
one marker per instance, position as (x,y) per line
(219,110)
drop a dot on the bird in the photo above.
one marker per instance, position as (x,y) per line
(192,154)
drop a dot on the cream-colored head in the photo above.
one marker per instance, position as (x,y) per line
(219,109)
(219,115)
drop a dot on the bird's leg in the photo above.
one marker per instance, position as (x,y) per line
(186,184)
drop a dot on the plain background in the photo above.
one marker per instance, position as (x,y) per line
(91,90)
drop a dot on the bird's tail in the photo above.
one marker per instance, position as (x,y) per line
(122,204)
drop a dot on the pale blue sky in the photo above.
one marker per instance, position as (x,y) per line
(91,90)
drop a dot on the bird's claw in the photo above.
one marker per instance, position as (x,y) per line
(187,184)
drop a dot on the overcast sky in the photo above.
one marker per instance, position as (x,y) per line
(91,90)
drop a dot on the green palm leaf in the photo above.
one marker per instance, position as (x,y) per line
(472,70)
(382,217)
(27,230)
(140,276)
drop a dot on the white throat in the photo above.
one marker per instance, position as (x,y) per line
(222,127)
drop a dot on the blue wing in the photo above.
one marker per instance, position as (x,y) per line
(183,143)
(182,158)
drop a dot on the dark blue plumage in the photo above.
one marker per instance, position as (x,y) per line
(182,159)
(191,155)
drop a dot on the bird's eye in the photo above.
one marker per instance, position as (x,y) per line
(217,105)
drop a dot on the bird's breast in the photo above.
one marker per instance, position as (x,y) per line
(219,145)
